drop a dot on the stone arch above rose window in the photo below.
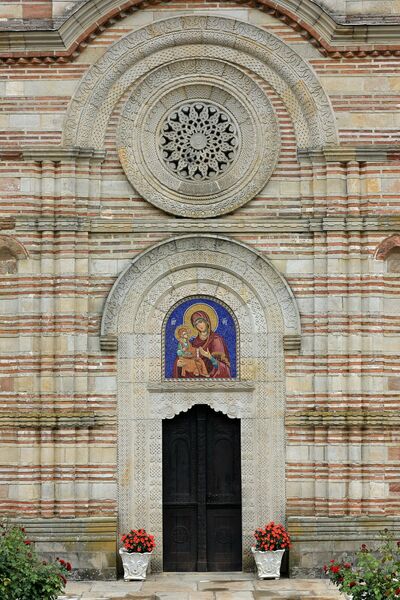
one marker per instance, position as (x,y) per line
(198,135)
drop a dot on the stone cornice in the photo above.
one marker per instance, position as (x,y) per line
(58,153)
(226,225)
(39,420)
(63,40)
(292,343)
(369,153)
(340,527)
(82,529)
(344,418)
(204,385)
(381,153)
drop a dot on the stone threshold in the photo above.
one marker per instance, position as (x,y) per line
(203,586)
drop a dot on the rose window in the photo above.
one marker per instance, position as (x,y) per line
(198,141)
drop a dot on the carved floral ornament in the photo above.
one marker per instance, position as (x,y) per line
(198,140)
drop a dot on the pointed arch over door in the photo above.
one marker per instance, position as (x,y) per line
(133,320)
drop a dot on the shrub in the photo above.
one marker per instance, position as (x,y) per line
(369,575)
(23,575)
(138,540)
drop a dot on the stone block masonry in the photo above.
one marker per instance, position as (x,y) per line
(307,255)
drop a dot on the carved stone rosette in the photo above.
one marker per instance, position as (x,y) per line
(198,138)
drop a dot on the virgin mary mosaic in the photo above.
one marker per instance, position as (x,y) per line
(200,341)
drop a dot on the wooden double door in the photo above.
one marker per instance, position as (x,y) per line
(202,516)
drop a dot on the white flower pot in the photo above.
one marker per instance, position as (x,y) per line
(268,563)
(135,564)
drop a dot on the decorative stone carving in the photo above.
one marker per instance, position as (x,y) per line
(231,42)
(221,111)
(268,563)
(135,564)
(227,255)
(198,140)
(135,313)
(16,248)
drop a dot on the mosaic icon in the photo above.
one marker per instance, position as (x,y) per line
(200,341)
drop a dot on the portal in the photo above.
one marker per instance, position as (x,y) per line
(202,517)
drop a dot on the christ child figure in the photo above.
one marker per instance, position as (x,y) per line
(189,360)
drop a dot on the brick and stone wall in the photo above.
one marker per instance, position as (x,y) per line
(327,220)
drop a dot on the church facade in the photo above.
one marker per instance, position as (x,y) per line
(200,258)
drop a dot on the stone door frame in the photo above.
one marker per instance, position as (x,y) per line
(132,324)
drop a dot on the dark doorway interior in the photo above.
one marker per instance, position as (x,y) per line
(202,518)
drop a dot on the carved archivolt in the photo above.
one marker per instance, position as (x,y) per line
(134,314)
(258,52)
(169,261)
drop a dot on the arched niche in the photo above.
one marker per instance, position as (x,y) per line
(11,251)
(224,340)
(132,323)
(387,246)
(164,42)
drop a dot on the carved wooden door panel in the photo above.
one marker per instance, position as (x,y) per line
(202,492)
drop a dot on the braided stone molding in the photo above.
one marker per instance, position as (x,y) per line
(165,93)
(135,312)
(233,42)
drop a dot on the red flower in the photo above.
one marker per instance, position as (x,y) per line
(27,542)
(138,540)
(272,537)
(352,584)
(335,569)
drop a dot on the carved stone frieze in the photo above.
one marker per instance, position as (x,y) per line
(214,385)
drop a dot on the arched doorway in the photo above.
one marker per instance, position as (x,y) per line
(133,322)
(202,520)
